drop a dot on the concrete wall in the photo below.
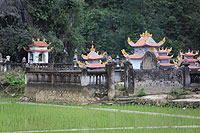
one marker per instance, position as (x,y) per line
(69,86)
(155,81)
(65,93)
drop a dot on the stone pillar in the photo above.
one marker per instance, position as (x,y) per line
(26,78)
(52,78)
(186,75)
(84,78)
(75,60)
(128,77)
(8,63)
(117,61)
(24,62)
(110,69)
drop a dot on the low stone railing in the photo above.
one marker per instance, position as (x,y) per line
(6,66)
(51,66)
(91,77)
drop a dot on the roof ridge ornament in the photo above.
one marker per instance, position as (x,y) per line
(162,40)
(129,41)
(146,34)
(92,48)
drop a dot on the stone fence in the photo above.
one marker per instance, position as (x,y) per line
(40,79)
(6,66)
(154,81)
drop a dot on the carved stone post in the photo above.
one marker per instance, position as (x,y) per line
(117,61)
(186,75)
(8,62)
(128,77)
(110,69)
(84,78)
(75,58)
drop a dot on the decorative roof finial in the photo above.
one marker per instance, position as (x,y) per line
(92,48)
(146,34)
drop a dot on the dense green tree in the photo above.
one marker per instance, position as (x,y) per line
(71,24)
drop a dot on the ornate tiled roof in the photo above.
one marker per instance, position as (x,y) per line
(190,53)
(92,55)
(36,44)
(164,51)
(39,44)
(94,58)
(145,40)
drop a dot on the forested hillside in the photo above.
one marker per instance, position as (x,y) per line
(71,24)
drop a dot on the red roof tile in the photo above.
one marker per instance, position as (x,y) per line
(189,54)
(92,57)
(193,67)
(137,56)
(46,50)
(142,42)
(39,44)
(166,64)
(163,51)
(163,57)
(96,65)
(189,60)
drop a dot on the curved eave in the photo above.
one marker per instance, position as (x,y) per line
(135,56)
(92,58)
(193,67)
(163,52)
(189,60)
(166,64)
(189,54)
(164,57)
(93,66)
(38,45)
(48,50)
(96,66)
(150,45)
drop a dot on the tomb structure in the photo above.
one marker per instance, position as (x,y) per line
(93,59)
(38,51)
(164,58)
(190,58)
(144,44)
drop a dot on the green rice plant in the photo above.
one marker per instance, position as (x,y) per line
(35,117)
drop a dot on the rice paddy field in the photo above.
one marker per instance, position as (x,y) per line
(21,117)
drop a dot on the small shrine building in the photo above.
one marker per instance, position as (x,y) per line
(38,52)
(93,59)
(164,59)
(189,57)
(144,44)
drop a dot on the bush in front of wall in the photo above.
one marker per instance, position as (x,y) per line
(12,81)
(141,93)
